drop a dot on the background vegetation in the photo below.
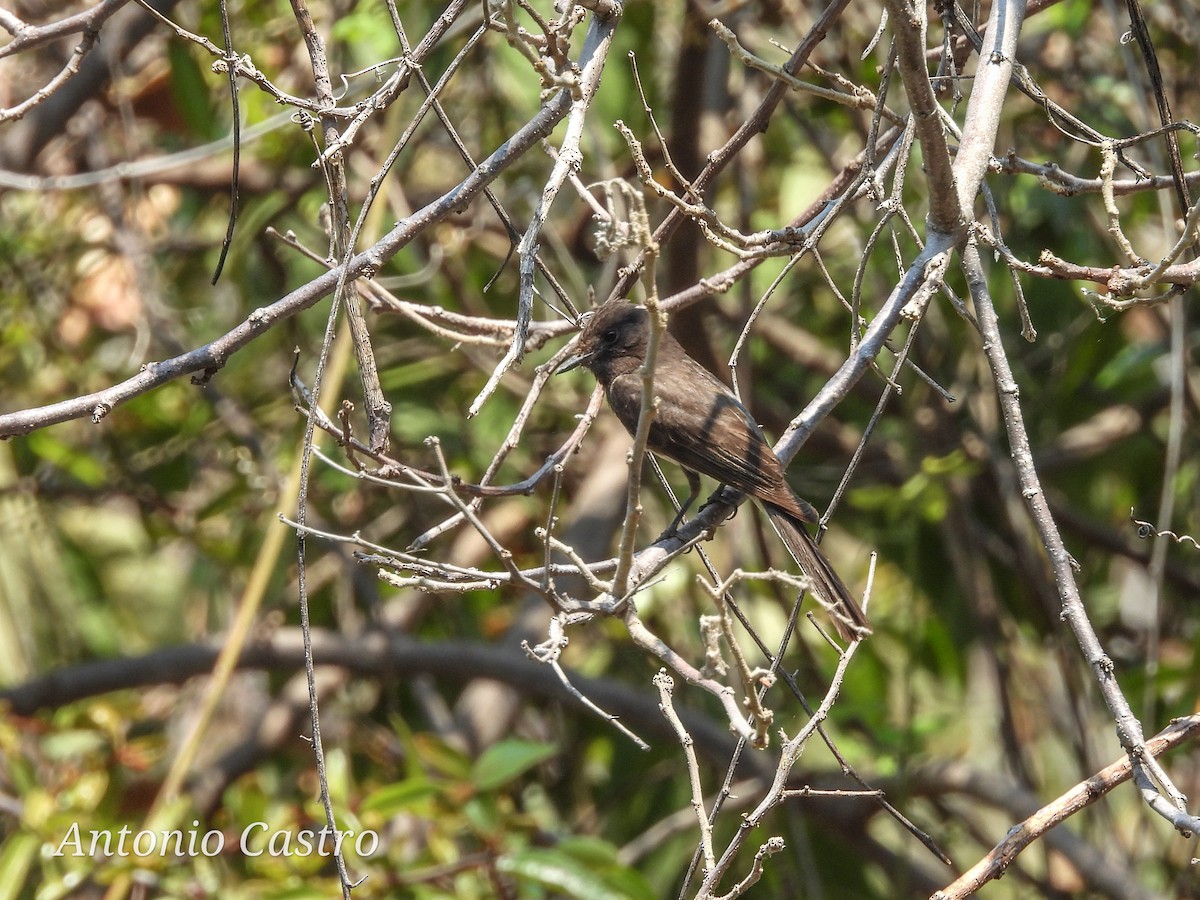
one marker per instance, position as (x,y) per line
(129,546)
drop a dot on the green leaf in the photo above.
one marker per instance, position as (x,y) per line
(559,872)
(74,743)
(16,858)
(505,761)
(81,466)
(441,757)
(189,91)
(399,796)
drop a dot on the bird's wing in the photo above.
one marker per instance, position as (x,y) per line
(718,438)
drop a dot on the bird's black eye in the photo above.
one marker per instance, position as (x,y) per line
(610,336)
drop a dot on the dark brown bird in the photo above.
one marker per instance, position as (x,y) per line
(702,426)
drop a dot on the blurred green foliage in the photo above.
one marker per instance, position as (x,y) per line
(141,533)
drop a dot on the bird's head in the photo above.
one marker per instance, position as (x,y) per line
(613,341)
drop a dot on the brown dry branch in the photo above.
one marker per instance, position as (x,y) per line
(1157,788)
(1026,833)
(568,159)
(211,357)
(918,146)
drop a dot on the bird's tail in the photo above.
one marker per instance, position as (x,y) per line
(848,618)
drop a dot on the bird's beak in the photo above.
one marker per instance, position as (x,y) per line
(573,362)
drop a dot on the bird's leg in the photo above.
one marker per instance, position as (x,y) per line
(693,493)
(718,496)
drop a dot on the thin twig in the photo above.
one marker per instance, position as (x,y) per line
(666,694)
(570,157)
